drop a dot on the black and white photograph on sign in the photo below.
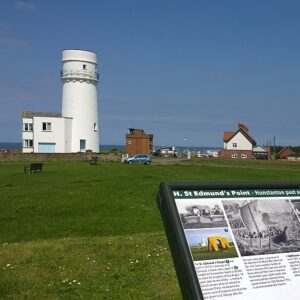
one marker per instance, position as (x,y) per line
(210,243)
(296,205)
(201,214)
(263,226)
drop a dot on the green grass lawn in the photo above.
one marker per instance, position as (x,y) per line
(202,253)
(94,232)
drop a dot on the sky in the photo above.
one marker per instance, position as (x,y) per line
(196,236)
(185,71)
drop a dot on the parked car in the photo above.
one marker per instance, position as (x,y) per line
(166,151)
(138,159)
(4,151)
(199,154)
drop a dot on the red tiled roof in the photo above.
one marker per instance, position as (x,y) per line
(228,135)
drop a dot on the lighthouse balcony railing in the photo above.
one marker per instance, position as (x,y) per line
(80,74)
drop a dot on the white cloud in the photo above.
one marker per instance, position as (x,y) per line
(46,80)
(9,42)
(165,119)
(26,6)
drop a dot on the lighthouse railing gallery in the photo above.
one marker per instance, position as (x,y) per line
(82,74)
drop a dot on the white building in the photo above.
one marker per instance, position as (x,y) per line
(238,144)
(76,128)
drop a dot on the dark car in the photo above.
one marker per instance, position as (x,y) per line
(138,159)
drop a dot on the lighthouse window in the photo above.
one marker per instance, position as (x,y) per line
(95,127)
(84,67)
(46,126)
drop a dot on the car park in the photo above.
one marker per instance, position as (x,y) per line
(199,154)
(166,152)
(138,159)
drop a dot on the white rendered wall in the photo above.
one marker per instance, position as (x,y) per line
(241,141)
(68,135)
(55,135)
(26,135)
(79,97)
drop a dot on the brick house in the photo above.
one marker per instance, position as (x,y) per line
(139,142)
(237,144)
(285,153)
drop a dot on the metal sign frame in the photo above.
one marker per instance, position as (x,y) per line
(182,258)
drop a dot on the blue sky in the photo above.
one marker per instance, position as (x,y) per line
(183,70)
(195,236)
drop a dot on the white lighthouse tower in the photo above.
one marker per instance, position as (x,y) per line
(79,98)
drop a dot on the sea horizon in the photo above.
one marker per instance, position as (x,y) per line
(110,147)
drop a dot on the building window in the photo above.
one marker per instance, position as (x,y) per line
(95,127)
(27,143)
(27,127)
(234,145)
(233,155)
(46,126)
(84,67)
(244,156)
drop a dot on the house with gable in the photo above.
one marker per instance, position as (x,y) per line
(286,153)
(238,144)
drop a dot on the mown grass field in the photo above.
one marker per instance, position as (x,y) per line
(201,253)
(94,232)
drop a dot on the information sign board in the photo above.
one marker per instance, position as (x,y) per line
(234,241)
